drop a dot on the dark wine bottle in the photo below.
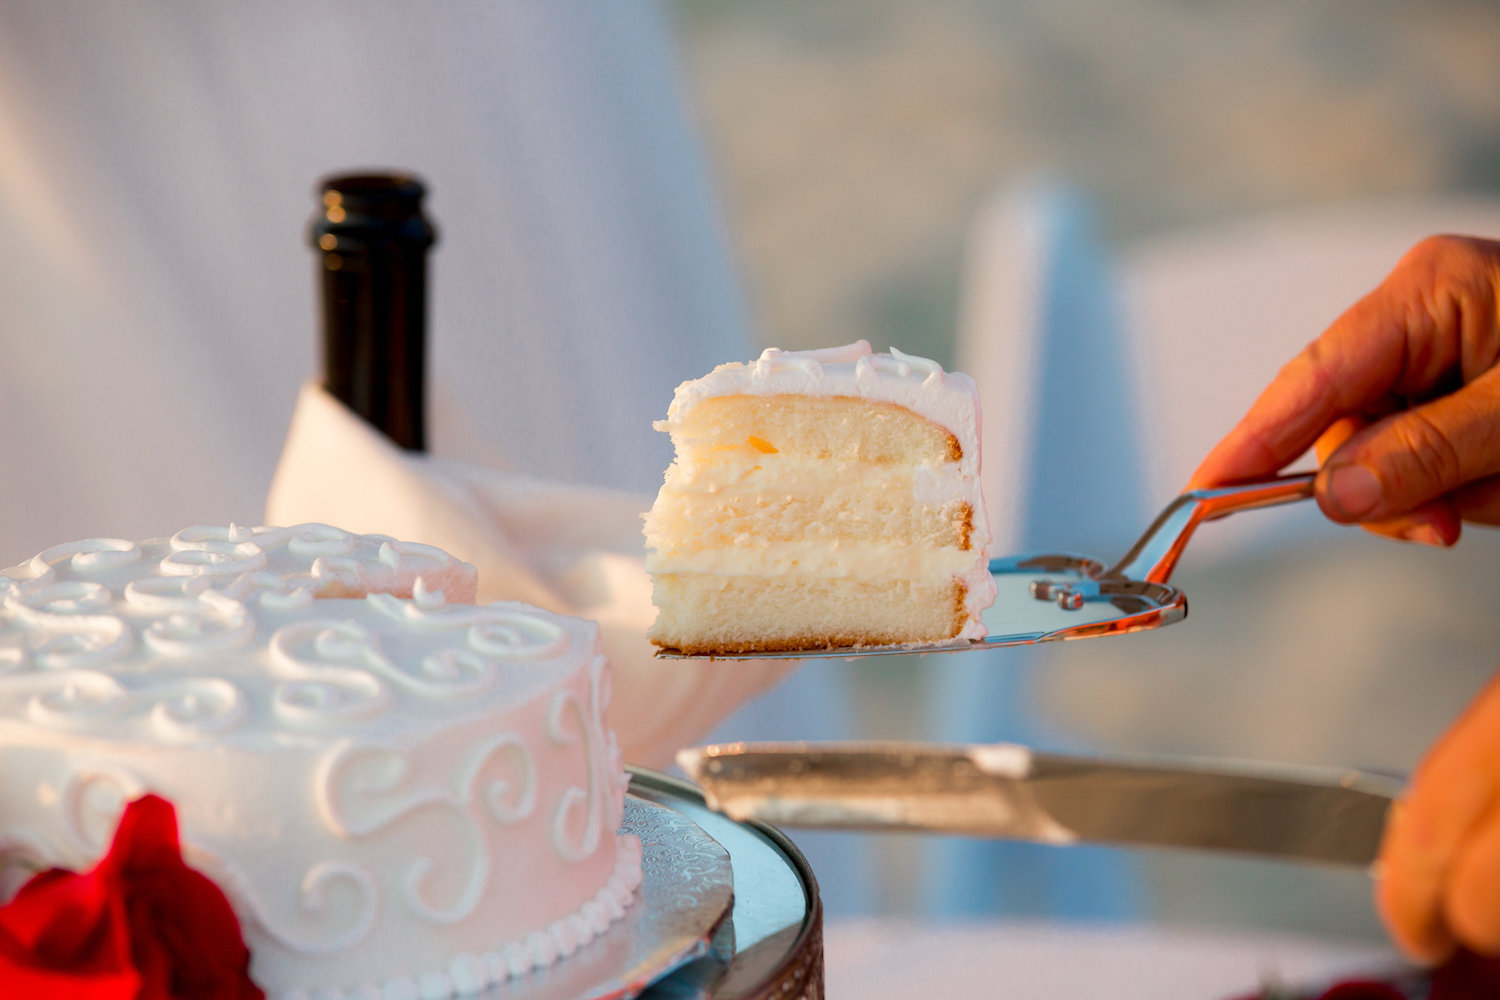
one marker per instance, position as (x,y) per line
(372,241)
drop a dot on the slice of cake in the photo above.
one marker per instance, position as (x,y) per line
(400,794)
(820,499)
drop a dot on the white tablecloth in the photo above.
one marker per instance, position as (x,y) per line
(878,959)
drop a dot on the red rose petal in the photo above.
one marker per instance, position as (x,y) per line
(140,926)
(63,921)
(146,837)
(24,981)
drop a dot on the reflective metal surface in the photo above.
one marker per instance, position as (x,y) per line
(1312,814)
(771,948)
(1047,598)
(687,887)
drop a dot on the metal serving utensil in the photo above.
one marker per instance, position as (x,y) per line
(1326,814)
(1046,598)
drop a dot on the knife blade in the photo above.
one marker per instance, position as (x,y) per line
(1333,815)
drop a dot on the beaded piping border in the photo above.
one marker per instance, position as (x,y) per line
(468,973)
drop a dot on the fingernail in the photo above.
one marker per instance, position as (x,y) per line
(1353,489)
(1424,534)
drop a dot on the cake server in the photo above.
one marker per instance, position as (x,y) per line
(1046,598)
(1005,791)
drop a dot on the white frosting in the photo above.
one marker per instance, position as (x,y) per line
(372,781)
(948,399)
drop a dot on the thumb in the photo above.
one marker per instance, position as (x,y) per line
(1400,462)
(1437,522)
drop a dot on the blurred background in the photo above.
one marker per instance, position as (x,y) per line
(1120,217)
(1222,179)
(854,141)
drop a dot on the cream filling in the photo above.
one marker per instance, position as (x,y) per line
(935,485)
(862,561)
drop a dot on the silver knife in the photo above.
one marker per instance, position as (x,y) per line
(1002,790)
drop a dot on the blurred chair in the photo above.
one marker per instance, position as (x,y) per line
(1104,383)
(1042,334)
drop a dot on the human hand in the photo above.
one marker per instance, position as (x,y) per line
(1438,884)
(1401,396)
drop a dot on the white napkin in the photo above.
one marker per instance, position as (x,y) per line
(570,549)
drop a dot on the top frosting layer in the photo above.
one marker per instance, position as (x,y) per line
(949,399)
(250,635)
(321,559)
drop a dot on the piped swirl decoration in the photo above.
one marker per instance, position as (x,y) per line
(156,594)
(197,708)
(91,555)
(503,631)
(172,637)
(218,624)
(327,668)
(589,801)
(213,552)
(364,789)
(94,792)
(325,891)
(72,699)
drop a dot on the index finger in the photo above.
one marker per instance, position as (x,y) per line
(1403,338)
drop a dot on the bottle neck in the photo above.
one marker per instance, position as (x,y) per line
(372,241)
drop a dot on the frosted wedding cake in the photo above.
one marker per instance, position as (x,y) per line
(820,499)
(401,794)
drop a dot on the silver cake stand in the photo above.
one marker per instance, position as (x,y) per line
(771,948)
(725,910)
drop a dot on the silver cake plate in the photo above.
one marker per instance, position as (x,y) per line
(679,914)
